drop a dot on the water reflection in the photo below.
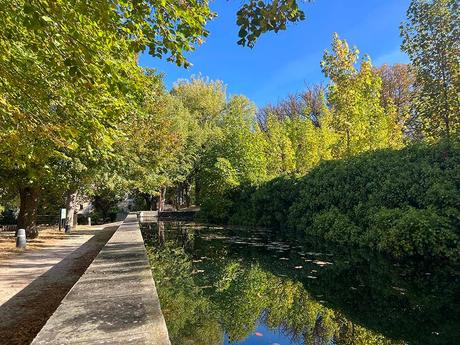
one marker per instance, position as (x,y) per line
(230,286)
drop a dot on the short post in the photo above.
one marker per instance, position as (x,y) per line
(68,228)
(21,240)
(62,217)
(89,221)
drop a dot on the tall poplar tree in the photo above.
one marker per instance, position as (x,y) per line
(360,121)
(431,37)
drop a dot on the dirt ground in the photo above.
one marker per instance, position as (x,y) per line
(58,266)
(48,235)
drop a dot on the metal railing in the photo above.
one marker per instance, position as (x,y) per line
(10,224)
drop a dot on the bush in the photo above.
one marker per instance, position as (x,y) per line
(217,209)
(335,226)
(414,232)
(266,205)
(7,217)
(96,218)
(404,202)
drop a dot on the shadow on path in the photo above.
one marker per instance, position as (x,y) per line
(23,315)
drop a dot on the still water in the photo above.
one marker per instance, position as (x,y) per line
(249,287)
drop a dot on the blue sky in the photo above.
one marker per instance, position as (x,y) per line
(287,62)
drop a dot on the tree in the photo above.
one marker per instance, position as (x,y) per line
(306,121)
(105,202)
(59,113)
(431,38)
(313,138)
(354,96)
(242,143)
(69,80)
(256,17)
(306,105)
(234,156)
(205,100)
(279,149)
(398,90)
(58,110)
(158,143)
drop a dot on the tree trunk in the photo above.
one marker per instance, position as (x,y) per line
(147,201)
(161,199)
(177,198)
(197,192)
(348,142)
(27,217)
(161,233)
(153,203)
(150,202)
(188,200)
(71,206)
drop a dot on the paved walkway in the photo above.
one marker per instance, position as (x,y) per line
(114,302)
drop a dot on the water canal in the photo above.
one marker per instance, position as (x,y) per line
(234,286)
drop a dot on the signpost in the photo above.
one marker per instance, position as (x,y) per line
(62,218)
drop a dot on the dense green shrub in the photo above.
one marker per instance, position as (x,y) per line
(265,206)
(404,202)
(242,212)
(7,217)
(216,210)
(413,232)
(335,226)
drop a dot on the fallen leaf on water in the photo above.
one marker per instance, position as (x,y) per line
(398,289)
(322,263)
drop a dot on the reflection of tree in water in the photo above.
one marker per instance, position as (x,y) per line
(245,293)
(188,313)
(161,234)
(210,287)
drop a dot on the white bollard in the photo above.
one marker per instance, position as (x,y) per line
(21,240)
(89,221)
